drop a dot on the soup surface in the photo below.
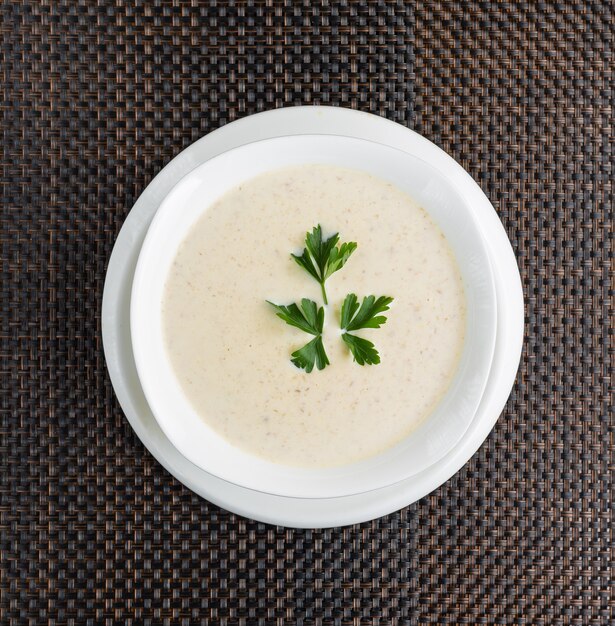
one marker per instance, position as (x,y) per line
(231,354)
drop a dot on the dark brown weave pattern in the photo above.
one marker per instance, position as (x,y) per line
(97,97)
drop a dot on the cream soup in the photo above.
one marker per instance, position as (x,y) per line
(231,354)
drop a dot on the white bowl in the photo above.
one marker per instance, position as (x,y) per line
(189,432)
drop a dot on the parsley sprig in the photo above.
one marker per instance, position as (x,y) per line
(321,258)
(367,315)
(310,319)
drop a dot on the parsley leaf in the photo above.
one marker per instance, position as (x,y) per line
(362,350)
(310,319)
(321,258)
(355,317)
(367,317)
(311,353)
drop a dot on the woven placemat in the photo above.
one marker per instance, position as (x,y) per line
(97,97)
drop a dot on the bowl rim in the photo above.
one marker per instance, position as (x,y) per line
(142,364)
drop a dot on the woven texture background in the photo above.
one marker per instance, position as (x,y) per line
(97,97)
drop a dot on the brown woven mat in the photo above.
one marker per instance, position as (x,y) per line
(97,97)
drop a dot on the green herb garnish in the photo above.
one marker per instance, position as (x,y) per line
(323,258)
(367,315)
(310,319)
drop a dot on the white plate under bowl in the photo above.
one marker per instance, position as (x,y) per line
(318,512)
(183,207)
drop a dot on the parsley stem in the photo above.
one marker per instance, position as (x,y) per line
(324,293)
